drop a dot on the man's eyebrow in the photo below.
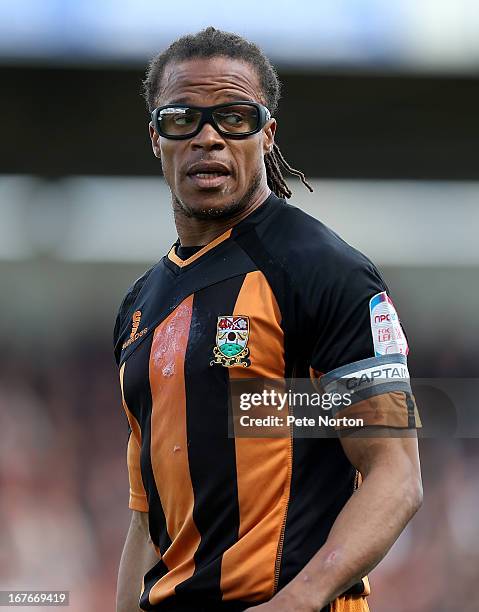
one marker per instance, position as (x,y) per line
(179,101)
(229,96)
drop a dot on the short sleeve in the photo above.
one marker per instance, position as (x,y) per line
(361,349)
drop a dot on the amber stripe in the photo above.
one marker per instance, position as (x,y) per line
(169,454)
(263,464)
(349,604)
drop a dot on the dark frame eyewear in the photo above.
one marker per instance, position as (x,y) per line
(232,119)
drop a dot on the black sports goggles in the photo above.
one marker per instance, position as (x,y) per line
(232,120)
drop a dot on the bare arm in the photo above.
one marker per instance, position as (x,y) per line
(137,558)
(365,529)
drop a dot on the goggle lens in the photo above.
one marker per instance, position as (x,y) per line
(178,121)
(235,119)
(240,119)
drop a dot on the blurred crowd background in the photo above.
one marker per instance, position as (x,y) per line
(379,109)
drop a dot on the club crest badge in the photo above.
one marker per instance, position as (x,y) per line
(232,334)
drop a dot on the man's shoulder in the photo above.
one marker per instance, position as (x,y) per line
(302,242)
(135,289)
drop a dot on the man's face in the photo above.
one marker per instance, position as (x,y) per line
(205,82)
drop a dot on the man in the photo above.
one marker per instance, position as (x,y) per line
(253,288)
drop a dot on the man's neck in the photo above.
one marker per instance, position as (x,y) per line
(196,232)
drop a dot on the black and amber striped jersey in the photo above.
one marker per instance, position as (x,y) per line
(233,520)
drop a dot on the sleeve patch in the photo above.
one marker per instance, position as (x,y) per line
(388,336)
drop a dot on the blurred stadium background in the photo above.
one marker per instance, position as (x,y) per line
(380,110)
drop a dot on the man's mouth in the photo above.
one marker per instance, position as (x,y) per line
(208,175)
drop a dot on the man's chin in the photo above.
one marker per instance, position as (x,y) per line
(210,208)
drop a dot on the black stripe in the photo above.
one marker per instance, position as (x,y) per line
(356,589)
(137,392)
(211,452)
(411,416)
(322,482)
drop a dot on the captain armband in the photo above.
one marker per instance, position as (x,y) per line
(378,390)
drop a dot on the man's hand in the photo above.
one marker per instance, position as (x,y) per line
(290,599)
(277,605)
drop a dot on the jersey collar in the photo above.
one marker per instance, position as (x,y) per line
(253,218)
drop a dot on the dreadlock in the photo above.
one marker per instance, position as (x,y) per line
(211,42)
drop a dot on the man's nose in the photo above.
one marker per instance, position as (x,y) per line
(208,138)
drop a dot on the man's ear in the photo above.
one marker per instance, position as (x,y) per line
(155,141)
(269,131)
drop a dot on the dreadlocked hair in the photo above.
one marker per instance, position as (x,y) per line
(211,42)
